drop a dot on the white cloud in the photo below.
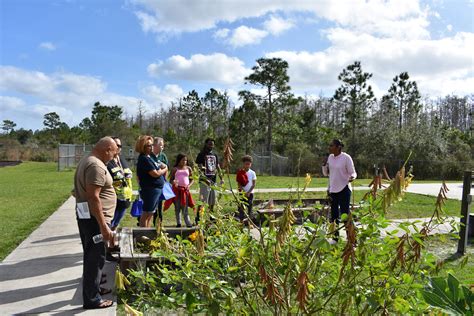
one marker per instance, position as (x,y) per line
(55,87)
(10,103)
(70,95)
(449,27)
(217,68)
(381,17)
(447,62)
(47,46)
(221,33)
(244,35)
(157,96)
(276,25)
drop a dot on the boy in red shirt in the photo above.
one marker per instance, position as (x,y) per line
(246,180)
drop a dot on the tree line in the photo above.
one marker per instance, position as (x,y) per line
(377,132)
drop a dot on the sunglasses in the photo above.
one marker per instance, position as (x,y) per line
(119,146)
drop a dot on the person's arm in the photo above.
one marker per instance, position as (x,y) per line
(172,177)
(165,161)
(200,161)
(254,181)
(220,172)
(158,173)
(350,169)
(325,167)
(150,168)
(95,208)
(191,180)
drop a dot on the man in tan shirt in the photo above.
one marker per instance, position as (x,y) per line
(95,205)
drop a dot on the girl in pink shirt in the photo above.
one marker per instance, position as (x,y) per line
(182,181)
(340,168)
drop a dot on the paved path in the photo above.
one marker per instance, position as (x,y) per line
(455,189)
(43,274)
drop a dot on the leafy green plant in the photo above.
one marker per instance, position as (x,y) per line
(449,295)
(280,268)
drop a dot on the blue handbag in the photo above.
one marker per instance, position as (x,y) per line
(137,207)
(167,192)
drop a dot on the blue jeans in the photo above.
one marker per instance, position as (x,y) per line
(119,212)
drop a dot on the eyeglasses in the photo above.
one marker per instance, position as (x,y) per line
(148,145)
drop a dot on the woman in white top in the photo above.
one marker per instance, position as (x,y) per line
(340,168)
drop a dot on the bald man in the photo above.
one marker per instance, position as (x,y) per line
(95,205)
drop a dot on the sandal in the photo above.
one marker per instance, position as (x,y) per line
(101,304)
(104,291)
(103,280)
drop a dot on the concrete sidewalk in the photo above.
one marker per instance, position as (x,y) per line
(43,274)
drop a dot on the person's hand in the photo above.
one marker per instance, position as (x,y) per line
(325,160)
(107,235)
(175,183)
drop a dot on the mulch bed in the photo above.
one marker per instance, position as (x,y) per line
(9,163)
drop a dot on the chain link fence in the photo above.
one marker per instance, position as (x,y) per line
(70,154)
(272,164)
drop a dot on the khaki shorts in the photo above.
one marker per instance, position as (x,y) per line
(206,194)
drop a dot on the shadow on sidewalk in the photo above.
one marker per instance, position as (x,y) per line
(38,266)
(29,293)
(56,238)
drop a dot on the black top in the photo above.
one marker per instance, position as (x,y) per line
(146,164)
(210,162)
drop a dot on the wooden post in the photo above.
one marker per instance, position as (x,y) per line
(465,210)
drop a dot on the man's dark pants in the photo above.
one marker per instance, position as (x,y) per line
(94,260)
(248,204)
(340,203)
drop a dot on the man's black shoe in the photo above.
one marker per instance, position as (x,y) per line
(110,258)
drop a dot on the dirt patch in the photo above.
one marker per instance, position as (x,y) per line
(9,163)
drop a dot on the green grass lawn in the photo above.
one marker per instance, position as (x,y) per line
(270,182)
(30,192)
(444,248)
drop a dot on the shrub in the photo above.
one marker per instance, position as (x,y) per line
(287,270)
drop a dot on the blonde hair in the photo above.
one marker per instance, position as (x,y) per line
(157,140)
(141,143)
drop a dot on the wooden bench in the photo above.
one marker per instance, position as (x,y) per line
(131,258)
(299,212)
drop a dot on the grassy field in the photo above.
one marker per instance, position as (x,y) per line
(30,192)
(444,248)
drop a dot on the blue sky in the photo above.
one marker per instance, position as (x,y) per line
(64,55)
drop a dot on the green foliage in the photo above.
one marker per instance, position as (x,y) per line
(52,121)
(104,121)
(8,126)
(271,75)
(404,95)
(280,268)
(449,295)
(356,92)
